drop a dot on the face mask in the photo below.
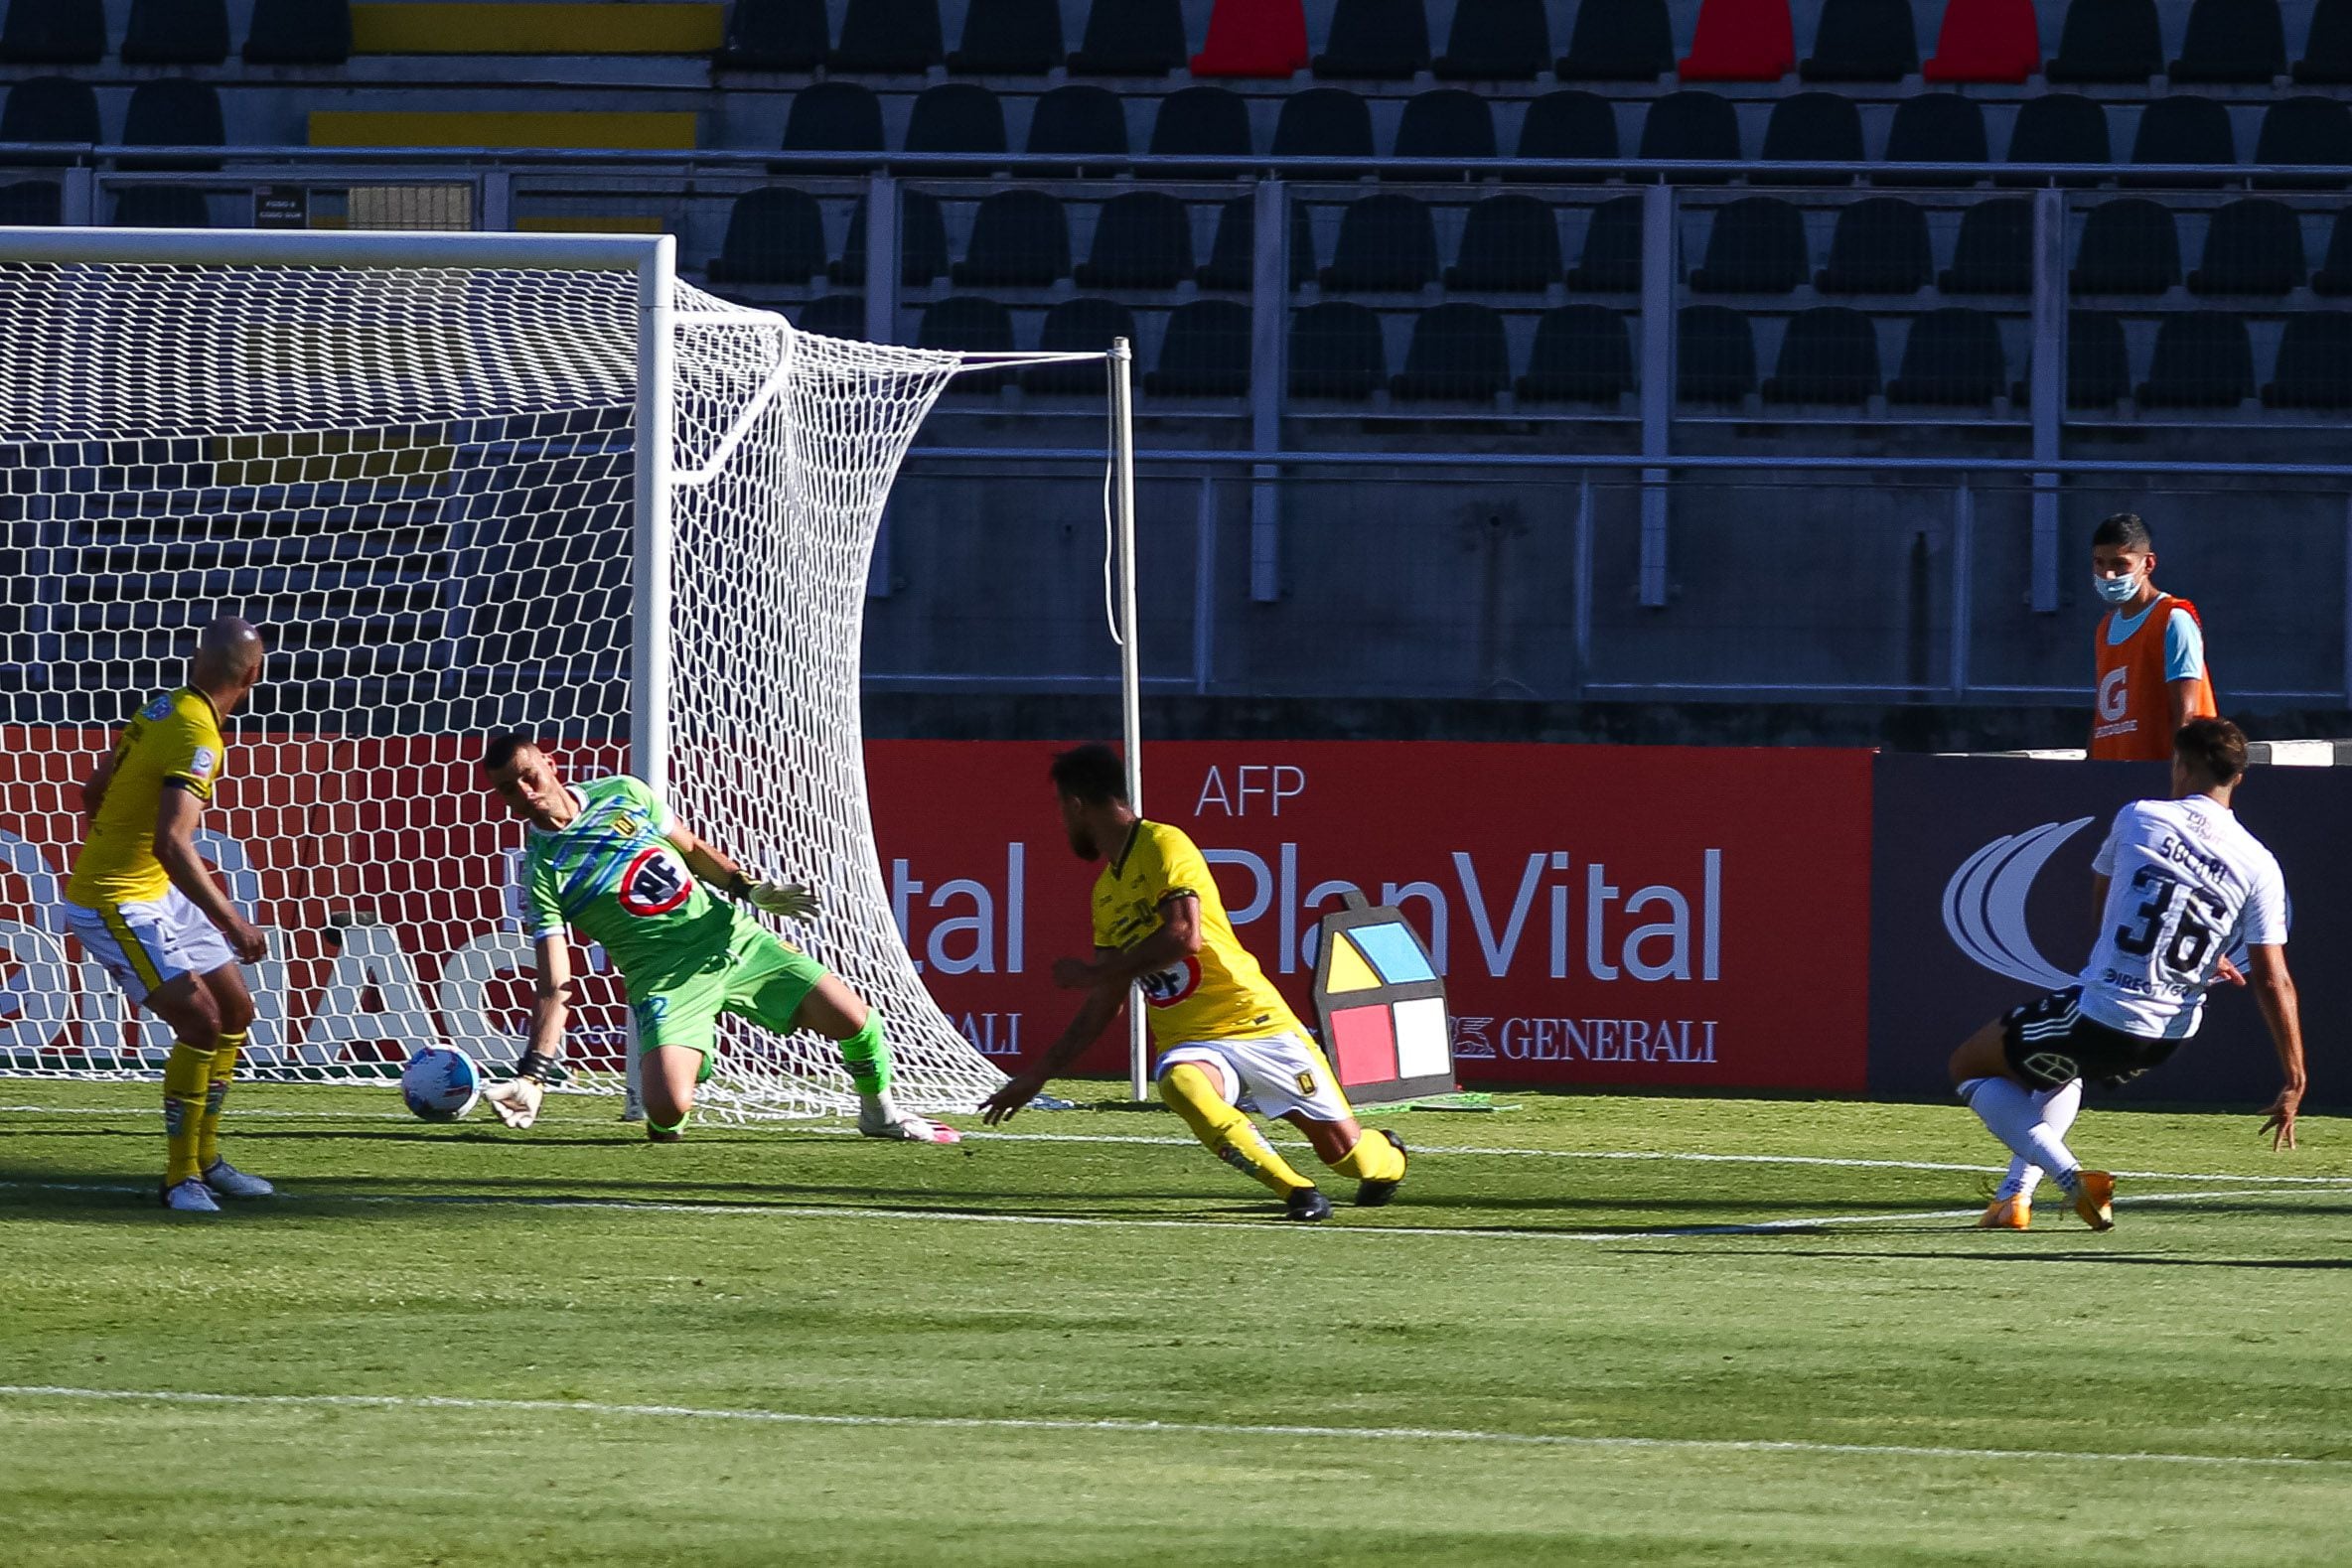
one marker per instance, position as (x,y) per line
(2117,590)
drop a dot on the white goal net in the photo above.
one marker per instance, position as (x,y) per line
(427,483)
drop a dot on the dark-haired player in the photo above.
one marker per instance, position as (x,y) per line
(2149,652)
(2178,884)
(1228,1041)
(610,858)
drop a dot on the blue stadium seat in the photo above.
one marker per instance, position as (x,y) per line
(2327,47)
(1386,244)
(2335,277)
(1756,245)
(54,32)
(1619,41)
(1233,258)
(1582,354)
(955,118)
(2130,247)
(2108,41)
(882,38)
(966,323)
(2058,127)
(1953,358)
(1375,41)
(774,235)
(2314,365)
(1458,355)
(1019,239)
(1011,38)
(1142,241)
(1323,122)
(1336,351)
(1202,122)
(1936,127)
(1863,41)
(2306,130)
(1509,245)
(1496,41)
(2232,40)
(2183,128)
(1714,355)
(834,117)
(1880,247)
(1205,352)
(1812,127)
(1611,260)
(299,33)
(1080,121)
(161,206)
(2202,361)
(176,32)
(1133,38)
(1568,126)
(921,241)
(1993,252)
(1080,326)
(835,315)
(1448,123)
(1693,124)
(2254,245)
(172,112)
(1830,354)
(774,35)
(50,109)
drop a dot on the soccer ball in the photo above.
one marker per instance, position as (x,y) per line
(440,1084)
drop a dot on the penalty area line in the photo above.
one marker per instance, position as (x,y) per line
(1144,1428)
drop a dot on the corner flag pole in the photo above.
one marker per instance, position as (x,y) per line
(1130,665)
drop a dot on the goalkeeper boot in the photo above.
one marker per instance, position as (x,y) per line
(878,1116)
(1306,1203)
(2006,1214)
(2095,1199)
(1374,1194)
(190,1196)
(227,1180)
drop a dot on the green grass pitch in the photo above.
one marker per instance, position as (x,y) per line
(1571,1340)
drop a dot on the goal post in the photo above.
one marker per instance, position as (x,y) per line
(464,483)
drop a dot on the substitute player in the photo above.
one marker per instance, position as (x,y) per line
(144,905)
(2180,883)
(2148,654)
(608,857)
(1228,1041)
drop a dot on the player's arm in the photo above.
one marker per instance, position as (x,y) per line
(719,869)
(176,818)
(1177,939)
(2273,993)
(1095,1014)
(516,1100)
(2182,696)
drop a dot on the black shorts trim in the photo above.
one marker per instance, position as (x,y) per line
(2049,1043)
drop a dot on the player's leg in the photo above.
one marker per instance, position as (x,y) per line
(1290,1078)
(233,1004)
(667,1076)
(2013,1201)
(677,1040)
(1202,1087)
(133,942)
(1999,1071)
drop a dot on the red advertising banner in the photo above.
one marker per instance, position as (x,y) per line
(1603,915)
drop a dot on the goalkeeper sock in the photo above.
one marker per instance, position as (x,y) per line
(207,1126)
(1225,1131)
(187,1079)
(670,1130)
(1374,1159)
(867,1057)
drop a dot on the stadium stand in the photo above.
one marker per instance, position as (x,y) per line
(2097,361)
(1741,41)
(2335,277)
(1714,355)
(299,33)
(2128,246)
(2182,128)
(774,235)
(50,109)
(1386,243)
(776,34)
(2240,40)
(1863,41)
(1013,38)
(835,315)
(1131,38)
(955,118)
(2313,369)
(1611,260)
(162,207)
(1252,37)
(2203,359)
(922,240)
(1880,247)
(2108,41)
(970,324)
(1336,351)
(1509,245)
(1324,122)
(2254,245)
(2058,127)
(1756,245)
(1142,241)
(1830,354)
(1019,239)
(1458,353)
(1496,41)
(2327,47)
(54,32)
(1624,41)
(1232,263)
(1079,120)
(1569,124)
(1812,127)
(1582,354)
(1994,252)
(2304,131)
(1375,41)
(1448,123)
(1936,127)
(1078,326)
(1986,41)
(176,32)
(834,117)
(1204,352)
(1201,122)
(172,112)
(31,204)
(1953,357)
(1693,124)
(888,38)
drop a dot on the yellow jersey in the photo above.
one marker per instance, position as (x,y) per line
(174,740)
(1220,992)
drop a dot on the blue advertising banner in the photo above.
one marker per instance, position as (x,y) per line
(1981,899)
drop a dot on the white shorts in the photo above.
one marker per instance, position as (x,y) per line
(150,944)
(1274,1075)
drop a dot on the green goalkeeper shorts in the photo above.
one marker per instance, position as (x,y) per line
(763,979)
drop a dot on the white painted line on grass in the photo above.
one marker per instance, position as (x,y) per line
(1149,1428)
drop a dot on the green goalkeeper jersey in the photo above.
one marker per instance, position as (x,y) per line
(612,873)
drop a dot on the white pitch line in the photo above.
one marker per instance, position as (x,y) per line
(1111,1223)
(979,1135)
(1149,1428)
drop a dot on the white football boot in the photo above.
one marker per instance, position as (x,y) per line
(190,1196)
(227,1180)
(878,1116)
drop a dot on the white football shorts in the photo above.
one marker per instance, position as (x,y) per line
(150,944)
(1274,1075)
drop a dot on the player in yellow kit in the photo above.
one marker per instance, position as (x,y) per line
(1227,1041)
(145,906)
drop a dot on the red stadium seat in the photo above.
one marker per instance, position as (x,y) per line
(1986,41)
(1255,37)
(1741,41)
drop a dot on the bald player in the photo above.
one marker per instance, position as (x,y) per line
(146,906)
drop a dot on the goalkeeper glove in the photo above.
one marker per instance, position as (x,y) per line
(787,898)
(516,1100)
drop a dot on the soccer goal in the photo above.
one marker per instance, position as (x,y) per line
(464,483)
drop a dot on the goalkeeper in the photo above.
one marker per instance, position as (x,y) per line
(608,857)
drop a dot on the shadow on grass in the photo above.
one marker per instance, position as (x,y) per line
(2122,1259)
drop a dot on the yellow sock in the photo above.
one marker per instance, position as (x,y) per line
(186,1078)
(1228,1134)
(207,1126)
(1374,1159)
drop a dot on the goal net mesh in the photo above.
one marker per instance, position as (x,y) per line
(421,483)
